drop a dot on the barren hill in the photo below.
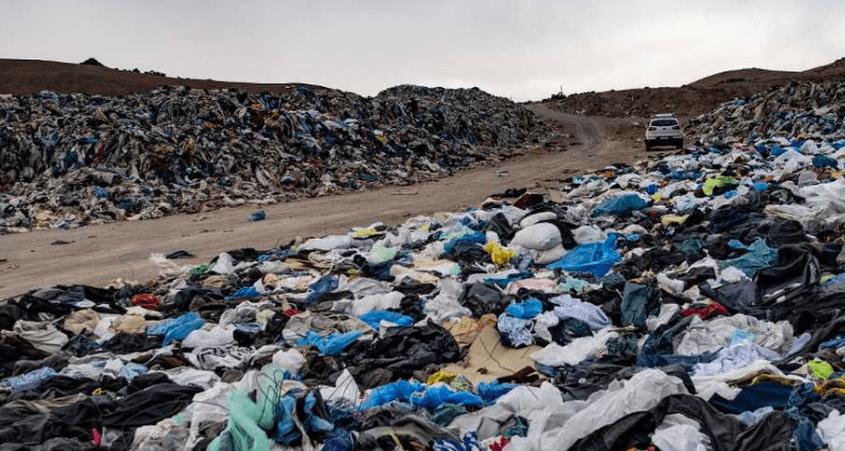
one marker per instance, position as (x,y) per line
(693,99)
(31,76)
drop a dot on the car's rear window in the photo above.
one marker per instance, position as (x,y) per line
(664,123)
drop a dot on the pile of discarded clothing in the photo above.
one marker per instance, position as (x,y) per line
(691,302)
(71,160)
(792,111)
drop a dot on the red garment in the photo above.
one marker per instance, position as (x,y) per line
(705,311)
(146,300)
(291,312)
(499,445)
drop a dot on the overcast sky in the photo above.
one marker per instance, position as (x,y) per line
(519,49)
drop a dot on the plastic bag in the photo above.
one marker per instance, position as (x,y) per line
(525,310)
(435,396)
(394,391)
(595,258)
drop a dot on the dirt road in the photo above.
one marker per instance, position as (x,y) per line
(96,255)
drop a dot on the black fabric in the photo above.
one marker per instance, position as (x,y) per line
(772,433)
(124,343)
(400,352)
(481,299)
(631,430)
(9,315)
(784,231)
(72,421)
(501,226)
(150,405)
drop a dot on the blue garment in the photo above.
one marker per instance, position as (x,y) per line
(176,329)
(395,391)
(375,317)
(759,256)
(101,192)
(132,370)
(470,237)
(824,161)
(515,332)
(339,440)
(503,282)
(492,391)
(595,258)
(620,205)
(320,287)
(334,344)
(753,397)
(244,293)
(833,343)
(30,380)
(635,298)
(592,315)
(527,309)
(441,394)
(469,443)
(286,431)
(258,215)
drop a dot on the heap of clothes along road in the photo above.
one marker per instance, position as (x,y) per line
(71,160)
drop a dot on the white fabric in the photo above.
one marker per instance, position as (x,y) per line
(832,431)
(290,360)
(377,302)
(345,389)
(445,305)
(576,351)
(543,257)
(217,336)
(642,392)
(327,243)
(41,335)
(680,437)
(711,335)
(667,311)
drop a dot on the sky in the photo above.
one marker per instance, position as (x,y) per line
(521,49)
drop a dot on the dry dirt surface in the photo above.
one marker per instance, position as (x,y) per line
(696,98)
(96,255)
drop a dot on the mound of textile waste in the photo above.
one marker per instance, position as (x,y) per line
(71,160)
(806,110)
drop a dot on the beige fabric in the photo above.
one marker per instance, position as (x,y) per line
(81,321)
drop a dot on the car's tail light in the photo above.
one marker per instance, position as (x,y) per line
(652,128)
(677,127)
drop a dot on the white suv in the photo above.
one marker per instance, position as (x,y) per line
(664,130)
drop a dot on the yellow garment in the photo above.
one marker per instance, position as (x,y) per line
(365,232)
(441,376)
(498,254)
(673,219)
(657,197)
(720,181)
(775,378)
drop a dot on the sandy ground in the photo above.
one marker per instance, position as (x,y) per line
(96,255)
